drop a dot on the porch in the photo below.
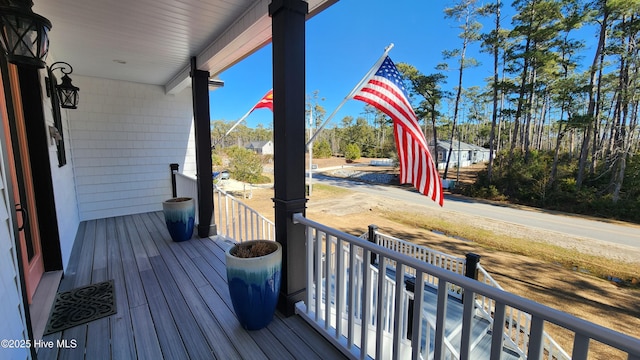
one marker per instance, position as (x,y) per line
(172,300)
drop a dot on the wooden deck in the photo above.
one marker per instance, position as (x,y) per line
(172,301)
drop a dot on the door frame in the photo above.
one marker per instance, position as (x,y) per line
(9,166)
(21,178)
(38,139)
(27,94)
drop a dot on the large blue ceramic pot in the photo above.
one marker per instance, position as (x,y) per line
(179,214)
(254,283)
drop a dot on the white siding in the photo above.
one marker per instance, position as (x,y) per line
(123,137)
(64,188)
(12,315)
(268,148)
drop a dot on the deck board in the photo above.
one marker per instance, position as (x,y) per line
(195,341)
(147,343)
(144,231)
(140,253)
(172,300)
(83,276)
(135,294)
(122,345)
(166,329)
(99,329)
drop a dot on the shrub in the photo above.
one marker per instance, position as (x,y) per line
(352,152)
(216,159)
(245,164)
(321,149)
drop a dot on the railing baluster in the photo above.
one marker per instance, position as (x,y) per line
(535,338)
(245,222)
(468,302)
(233,219)
(240,223)
(311,260)
(380,306)
(580,347)
(216,202)
(249,214)
(352,298)
(441,317)
(416,332)
(339,286)
(526,335)
(366,301)
(497,332)
(398,318)
(327,281)
(226,211)
(510,325)
(318,272)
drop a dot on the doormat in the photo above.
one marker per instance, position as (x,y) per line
(81,305)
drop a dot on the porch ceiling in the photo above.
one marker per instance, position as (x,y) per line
(152,41)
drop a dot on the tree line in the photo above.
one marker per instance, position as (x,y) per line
(551,95)
(539,97)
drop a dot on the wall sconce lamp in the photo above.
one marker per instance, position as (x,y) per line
(23,33)
(67,93)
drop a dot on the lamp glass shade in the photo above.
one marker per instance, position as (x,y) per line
(67,93)
(24,36)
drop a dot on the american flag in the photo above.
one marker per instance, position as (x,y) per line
(385,91)
(265,102)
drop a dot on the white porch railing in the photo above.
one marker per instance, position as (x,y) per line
(237,221)
(430,256)
(233,218)
(342,303)
(517,322)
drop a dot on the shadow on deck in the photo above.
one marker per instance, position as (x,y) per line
(172,300)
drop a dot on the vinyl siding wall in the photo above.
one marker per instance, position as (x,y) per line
(123,136)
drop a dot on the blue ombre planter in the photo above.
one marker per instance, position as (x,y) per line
(254,285)
(179,214)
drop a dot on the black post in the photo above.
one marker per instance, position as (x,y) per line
(288,30)
(471,265)
(174,171)
(372,239)
(201,119)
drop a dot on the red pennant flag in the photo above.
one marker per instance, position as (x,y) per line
(265,102)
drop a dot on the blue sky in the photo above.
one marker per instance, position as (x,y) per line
(343,43)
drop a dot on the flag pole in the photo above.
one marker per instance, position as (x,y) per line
(238,122)
(366,78)
(234,125)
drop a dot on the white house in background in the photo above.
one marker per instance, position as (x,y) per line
(463,154)
(261,147)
